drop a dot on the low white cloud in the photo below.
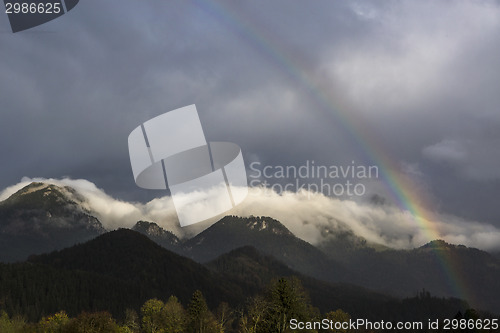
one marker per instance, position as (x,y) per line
(111,212)
(306,214)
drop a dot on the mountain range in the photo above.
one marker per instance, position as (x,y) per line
(234,257)
(122,269)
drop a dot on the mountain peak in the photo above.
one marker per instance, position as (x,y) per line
(439,244)
(255,223)
(116,242)
(44,195)
(34,186)
(43,217)
(265,234)
(159,235)
(150,228)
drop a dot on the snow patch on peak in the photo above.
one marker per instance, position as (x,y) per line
(261,224)
(154,230)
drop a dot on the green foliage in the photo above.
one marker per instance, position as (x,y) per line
(257,308)
(54,324)
(131,323)
(36,290)
(270,312)
(200,319)
(174,316)
(159,317)
(224,317)
(151,316)
(98,322)
(14,325)
(287,299)
(338,316)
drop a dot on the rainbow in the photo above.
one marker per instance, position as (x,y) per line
(402,189)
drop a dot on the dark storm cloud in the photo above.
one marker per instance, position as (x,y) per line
(73,89)
(419,76)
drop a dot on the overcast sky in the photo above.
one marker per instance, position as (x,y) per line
(415,83)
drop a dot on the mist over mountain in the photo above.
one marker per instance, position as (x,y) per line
(307,215)
(41,218)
